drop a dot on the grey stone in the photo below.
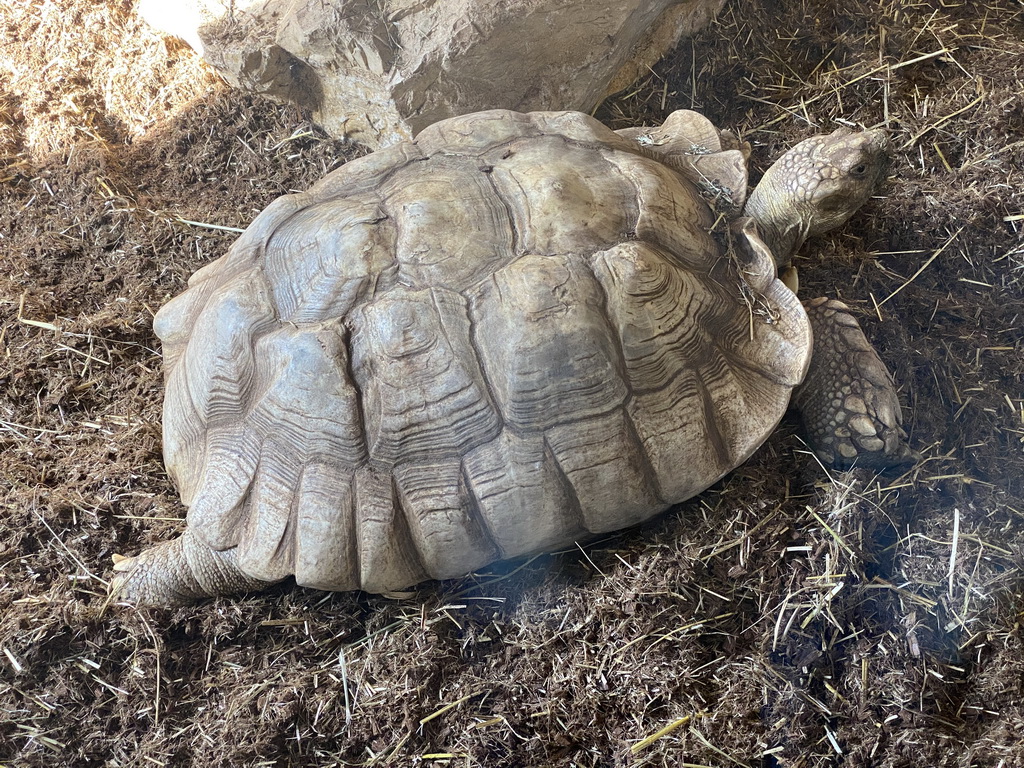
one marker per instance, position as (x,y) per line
(379,71)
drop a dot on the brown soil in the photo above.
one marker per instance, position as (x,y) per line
(787,617)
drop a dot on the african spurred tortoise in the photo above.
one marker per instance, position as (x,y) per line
(516,332)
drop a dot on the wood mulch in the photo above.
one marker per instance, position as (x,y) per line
(787,617)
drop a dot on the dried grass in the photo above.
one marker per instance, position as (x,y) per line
(787,617)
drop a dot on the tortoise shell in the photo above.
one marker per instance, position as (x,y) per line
(513,333)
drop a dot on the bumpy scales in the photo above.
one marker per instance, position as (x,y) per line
(516,332)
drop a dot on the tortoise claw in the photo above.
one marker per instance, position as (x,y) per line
(121,562)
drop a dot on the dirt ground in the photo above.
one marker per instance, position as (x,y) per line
(786,617)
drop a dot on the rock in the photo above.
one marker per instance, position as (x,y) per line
(379,71)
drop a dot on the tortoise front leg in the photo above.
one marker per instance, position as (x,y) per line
(179,572)
(848,401)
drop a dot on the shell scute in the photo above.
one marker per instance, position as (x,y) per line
(387,555)
(545,344)
(447,195)
(476,132)
(365,174)
(671,214)
(447,534)
(211,378)
(328,257)
(325,537)
(609,471)
(423,394)
(563,198)
(522,496)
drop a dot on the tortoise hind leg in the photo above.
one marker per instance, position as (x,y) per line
(179,572)
(848,401)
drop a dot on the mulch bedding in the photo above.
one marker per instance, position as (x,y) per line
(786,617)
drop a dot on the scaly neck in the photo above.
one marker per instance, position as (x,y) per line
(780,224)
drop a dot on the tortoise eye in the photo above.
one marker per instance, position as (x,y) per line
(859,170)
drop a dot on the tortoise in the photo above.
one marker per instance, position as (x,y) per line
(515,332)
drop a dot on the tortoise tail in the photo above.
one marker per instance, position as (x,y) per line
(179,572)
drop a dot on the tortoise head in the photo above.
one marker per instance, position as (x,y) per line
(816,186)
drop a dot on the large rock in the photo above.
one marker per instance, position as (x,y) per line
(378,71)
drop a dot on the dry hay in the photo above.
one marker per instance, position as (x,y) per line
(787,617)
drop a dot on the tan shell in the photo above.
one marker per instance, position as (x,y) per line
(514,333)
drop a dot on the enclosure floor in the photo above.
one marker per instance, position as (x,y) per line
(786,617)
